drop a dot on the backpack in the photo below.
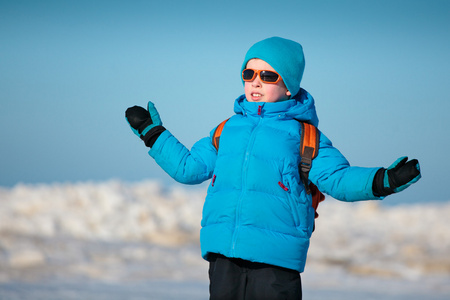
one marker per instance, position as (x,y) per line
(309,148)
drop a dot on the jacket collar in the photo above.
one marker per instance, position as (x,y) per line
(301,107)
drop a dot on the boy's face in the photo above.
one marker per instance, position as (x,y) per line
(258,91)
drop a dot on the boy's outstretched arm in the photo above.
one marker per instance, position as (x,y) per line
(401,174)
(189,167)
(333,175)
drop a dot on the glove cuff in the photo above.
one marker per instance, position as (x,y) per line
(379,188)
(144,125)
(152,135)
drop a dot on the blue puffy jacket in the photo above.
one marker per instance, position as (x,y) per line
(256,207)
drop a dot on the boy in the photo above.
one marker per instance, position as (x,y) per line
(257,217)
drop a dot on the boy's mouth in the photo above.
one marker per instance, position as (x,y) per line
(256,95)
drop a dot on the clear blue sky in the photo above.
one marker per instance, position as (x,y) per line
(378,70)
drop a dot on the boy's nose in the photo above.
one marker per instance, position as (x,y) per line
(256,82)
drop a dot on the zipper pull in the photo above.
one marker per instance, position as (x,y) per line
(259,110)
(283,186)
(213,180)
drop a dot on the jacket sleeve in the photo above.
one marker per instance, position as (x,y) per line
(333,175)
(189,167)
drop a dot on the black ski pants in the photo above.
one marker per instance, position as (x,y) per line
(237,279)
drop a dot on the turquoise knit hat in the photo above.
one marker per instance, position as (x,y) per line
(285,56)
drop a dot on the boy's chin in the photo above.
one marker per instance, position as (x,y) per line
(262,100)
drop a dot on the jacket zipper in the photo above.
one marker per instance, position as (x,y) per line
(244,187)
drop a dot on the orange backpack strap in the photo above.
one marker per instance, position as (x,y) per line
(309,140)
(309,148)
(217,133)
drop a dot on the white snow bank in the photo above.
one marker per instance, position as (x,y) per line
(367,238)
(364,238)
(108,211)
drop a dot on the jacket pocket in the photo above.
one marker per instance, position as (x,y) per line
(290,199)
(212,185)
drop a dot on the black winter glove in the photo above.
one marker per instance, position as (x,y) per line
(146,124)
(400,175)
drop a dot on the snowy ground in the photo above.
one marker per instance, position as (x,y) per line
(115,240)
